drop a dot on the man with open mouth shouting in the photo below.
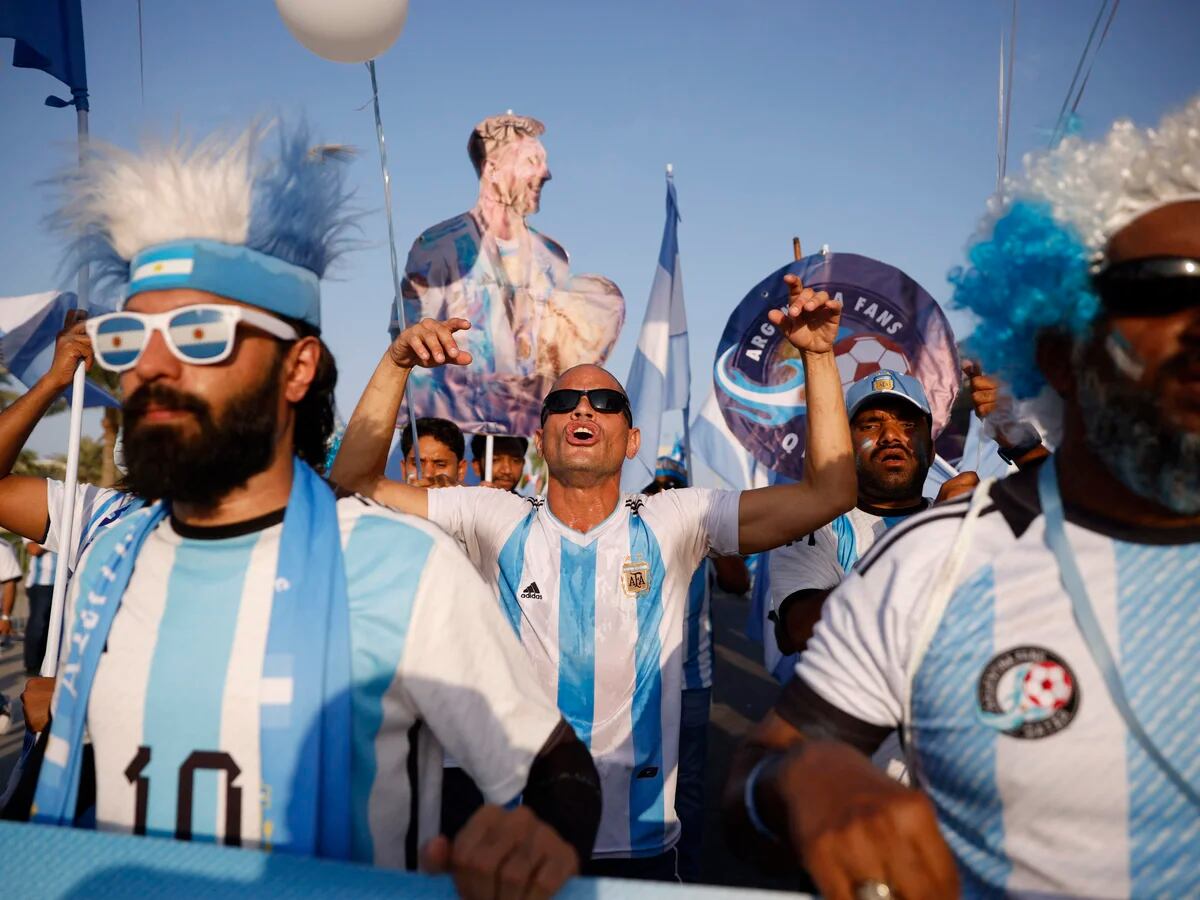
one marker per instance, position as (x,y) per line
(595,583)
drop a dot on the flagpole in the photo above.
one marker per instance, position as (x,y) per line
(67,538)
(387,206)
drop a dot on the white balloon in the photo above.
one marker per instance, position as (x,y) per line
(349,31)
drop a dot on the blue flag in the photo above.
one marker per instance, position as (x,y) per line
(660,378)
(49,35)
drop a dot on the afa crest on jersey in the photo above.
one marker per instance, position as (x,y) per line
(1028,692)
(635,578)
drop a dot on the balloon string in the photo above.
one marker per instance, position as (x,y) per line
(387,201)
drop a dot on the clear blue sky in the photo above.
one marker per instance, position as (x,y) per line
(866,125)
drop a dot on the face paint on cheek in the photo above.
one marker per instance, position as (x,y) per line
(1123,356)
(867,445)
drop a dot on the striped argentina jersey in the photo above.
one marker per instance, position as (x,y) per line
(601,616)
(41,570)
(697,630)
(175,711)
(95,509)
(1039,787)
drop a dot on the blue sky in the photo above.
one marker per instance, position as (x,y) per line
(869,126)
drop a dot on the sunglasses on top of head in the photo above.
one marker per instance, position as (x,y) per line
(201,335)
(602,400)
(1153,286)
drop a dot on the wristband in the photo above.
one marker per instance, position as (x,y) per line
(748,797)
(5,617)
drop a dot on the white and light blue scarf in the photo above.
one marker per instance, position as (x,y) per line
(306,751)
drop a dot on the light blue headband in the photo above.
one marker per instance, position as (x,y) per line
(232,271)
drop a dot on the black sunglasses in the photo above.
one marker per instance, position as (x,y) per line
(604,400)
(1154,286)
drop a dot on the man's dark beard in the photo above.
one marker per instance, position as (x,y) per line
(211,460)
(872,487)
(1124,428)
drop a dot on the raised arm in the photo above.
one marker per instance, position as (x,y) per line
(772,516)
(23,507)
(362,458)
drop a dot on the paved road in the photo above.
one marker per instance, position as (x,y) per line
(742,694)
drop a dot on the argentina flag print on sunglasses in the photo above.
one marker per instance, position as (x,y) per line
(201,335)
(604,400)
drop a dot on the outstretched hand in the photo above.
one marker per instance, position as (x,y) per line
(430,344)
(810,321)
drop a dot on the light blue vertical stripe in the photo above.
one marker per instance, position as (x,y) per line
(512,566)
(1159,626)
(185,689)
(382,576)
(697,590)
(577,637)
(647,802)
(847,542)
(957,752)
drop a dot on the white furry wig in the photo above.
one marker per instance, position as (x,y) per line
(1031,261)
(289,202)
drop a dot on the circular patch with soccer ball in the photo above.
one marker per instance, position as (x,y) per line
(1028,692)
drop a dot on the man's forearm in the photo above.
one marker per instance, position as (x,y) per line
(18,421)
(828,454)
(362,457)
(770,517)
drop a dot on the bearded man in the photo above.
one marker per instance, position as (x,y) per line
(303,636)
(531,319)
(1038,643)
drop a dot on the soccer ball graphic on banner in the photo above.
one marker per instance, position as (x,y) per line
(1048,686)
(859,355)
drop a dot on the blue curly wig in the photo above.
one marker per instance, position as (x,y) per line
(1028,276)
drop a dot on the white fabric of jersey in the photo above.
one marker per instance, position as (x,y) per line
(95,508)
(609,656)
(10,569)
(1062,809)
(433,665)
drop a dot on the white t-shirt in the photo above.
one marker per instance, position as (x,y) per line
(1039,788)
(601,617)
(10,569)
(433,665)
(821,560)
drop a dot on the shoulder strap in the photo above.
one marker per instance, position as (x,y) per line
(939,599)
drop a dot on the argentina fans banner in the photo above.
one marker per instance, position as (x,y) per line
(888,322)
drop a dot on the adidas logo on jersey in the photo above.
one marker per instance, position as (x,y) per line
(531,592)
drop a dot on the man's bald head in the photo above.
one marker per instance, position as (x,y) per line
(585,376)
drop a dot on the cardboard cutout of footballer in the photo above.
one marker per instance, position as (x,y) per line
(531,320)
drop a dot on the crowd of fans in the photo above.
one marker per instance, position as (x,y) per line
(992,688)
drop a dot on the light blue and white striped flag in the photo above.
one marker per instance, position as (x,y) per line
(28,328)
(660,378)
(714,443)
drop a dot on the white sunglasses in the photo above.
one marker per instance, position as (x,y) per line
(200,335)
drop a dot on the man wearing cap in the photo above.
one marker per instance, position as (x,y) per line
(305,637)
(1039,642)
(890,422)
(594,581)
